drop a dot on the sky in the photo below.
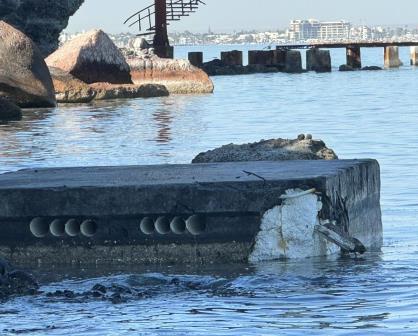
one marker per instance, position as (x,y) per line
(237,15)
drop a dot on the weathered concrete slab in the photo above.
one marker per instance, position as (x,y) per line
(175,213)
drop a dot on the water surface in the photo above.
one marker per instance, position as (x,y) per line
(359,115)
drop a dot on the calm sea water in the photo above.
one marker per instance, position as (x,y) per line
(360,115)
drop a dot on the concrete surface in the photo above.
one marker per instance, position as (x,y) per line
(201,213)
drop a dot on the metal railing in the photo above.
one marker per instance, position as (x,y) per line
(176,9)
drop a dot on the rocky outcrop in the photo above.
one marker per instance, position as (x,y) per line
(114,91)
(41,20)
(92,57)
(24,76)
(178,76)
(69,89)
(303,148)
(9,111)
(346,68)
(372,68)
(15,282)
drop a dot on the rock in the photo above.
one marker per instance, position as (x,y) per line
(9,111)
(24,76)
(41,20)
(15,282)
(114,91)
(346,67)
(143,44)
(92,57)
(372,68)
(69,89)
(269,150)
(178,76)
(4,268)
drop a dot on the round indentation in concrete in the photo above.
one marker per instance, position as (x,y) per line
(89,228)
(57,228)
(147,226)
(39,227)
(196,225)
(162,225)
(178,225)
(72,227)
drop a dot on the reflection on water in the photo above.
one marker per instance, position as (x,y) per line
(358,114)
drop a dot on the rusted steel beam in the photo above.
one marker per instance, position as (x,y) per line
(161,42)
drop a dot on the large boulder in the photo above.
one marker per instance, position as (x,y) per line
(69,89)
(24,76)
(92,57)
(303,148)
(178,76)
(41,20)
(9,111)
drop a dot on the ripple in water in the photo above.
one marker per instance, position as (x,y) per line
(370,114)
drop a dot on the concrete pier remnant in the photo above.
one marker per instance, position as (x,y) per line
(414,56)
(280,57)
(392,57)
(233,57)
(293,63)
(262,57)
(318,60)
(353,57)
(196,58)
(217,213)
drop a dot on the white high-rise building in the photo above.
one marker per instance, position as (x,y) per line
(302,30)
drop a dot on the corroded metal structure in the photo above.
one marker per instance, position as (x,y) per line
(154,19)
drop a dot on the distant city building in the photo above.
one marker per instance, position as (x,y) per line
(302,30)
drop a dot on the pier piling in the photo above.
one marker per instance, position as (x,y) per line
(293,62)
(414,56)
(392,57)
(262,57)
(196,58)
(233,57)
(318,60)
(353,57)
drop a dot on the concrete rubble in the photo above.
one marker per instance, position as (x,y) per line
(302,148)
(200,213)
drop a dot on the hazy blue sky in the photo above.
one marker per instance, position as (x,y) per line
(229,15)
